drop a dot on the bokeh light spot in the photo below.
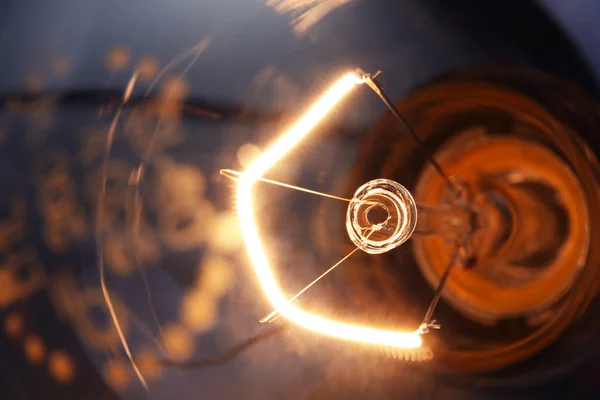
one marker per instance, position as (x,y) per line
(13,325)
(62,366)
(175,89)
(148,68)
(217,275)
(117,58)
(35,350)
(117,374)
(199,311)
(60,66)
(225,233)
(178,341)
(34,82)
(247,153)
(148,363)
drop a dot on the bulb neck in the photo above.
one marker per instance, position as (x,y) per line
(451,222)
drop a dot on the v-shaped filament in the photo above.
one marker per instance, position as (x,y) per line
(380,217)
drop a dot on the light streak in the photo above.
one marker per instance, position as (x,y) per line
(260,262)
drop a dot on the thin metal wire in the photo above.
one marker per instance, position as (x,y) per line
(137,174)
(99,217)
(231,174)
(229,354)
(427,320)
(274,315)
(378,88)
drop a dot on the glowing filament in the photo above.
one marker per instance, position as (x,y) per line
(256,252)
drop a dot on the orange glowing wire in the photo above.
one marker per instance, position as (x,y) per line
(266,161)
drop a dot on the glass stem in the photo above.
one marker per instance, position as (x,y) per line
(449,221)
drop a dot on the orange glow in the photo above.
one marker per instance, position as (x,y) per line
(62,366)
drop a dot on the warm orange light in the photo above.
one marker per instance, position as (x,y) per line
(255,249)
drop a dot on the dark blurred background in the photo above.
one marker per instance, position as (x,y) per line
(212,83)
